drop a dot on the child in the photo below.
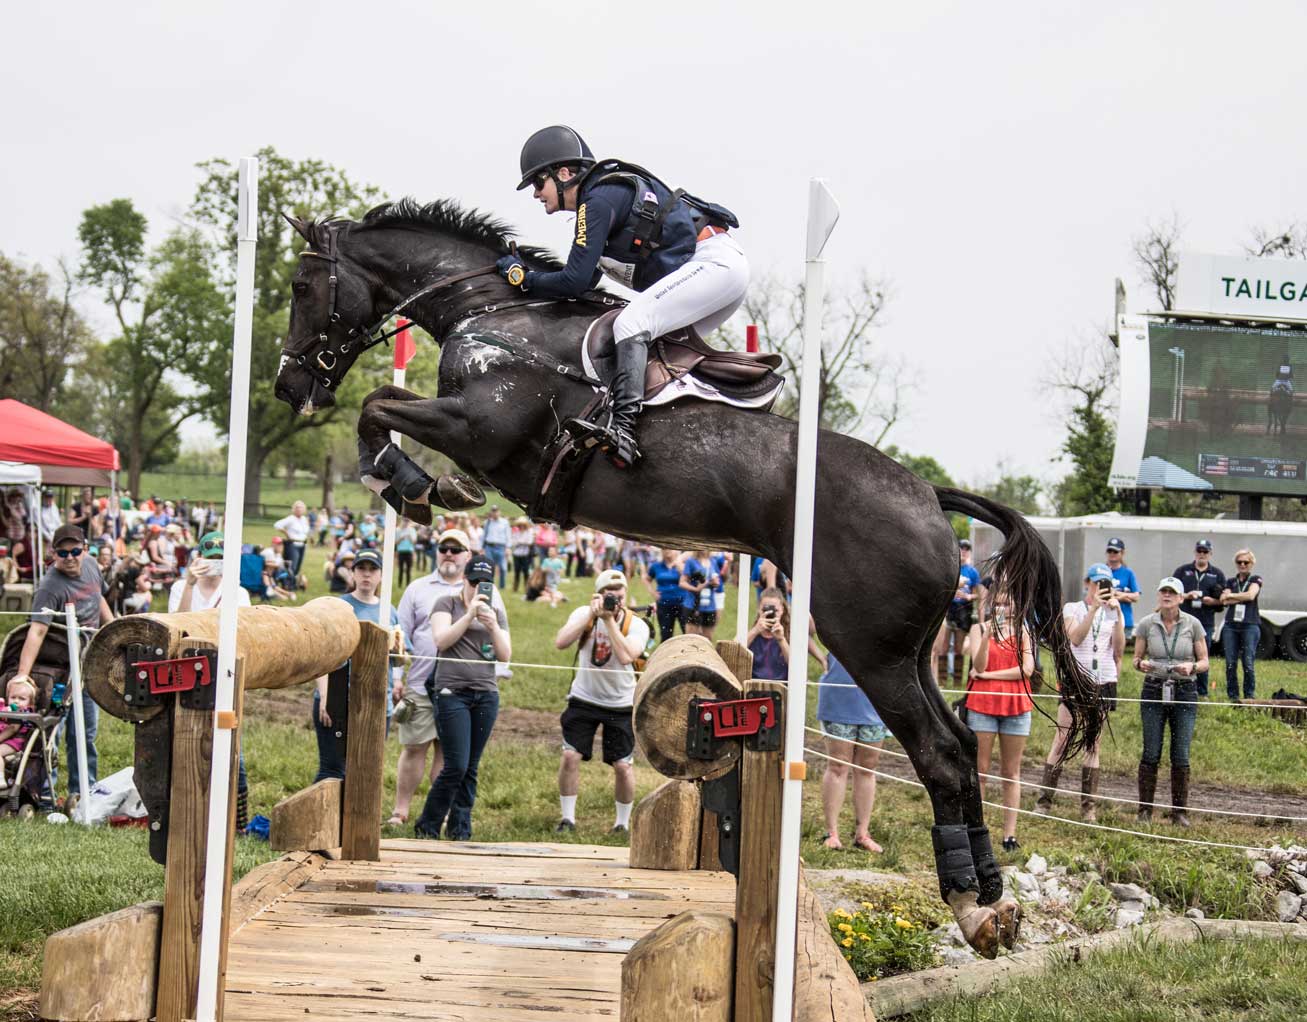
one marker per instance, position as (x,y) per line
(139,601)
(20,694)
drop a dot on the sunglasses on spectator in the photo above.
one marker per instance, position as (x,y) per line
(450,549)
(71,552)
(1243,562)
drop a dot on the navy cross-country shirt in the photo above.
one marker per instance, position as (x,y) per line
(602,213)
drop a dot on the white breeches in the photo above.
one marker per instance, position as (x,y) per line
(704,293)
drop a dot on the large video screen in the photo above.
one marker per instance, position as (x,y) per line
(1212,407)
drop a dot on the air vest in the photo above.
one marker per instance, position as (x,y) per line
(661,227)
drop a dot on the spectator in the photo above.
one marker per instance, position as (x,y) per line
(609,639)
(8,568)
(75,579)
(495,543)
(367,531)
(1203,582)
(297,528)
(768,639)
(855,735)
(1243,626)
(50,517)
(1171,652)
(18,532)
(1095,628)
(567,550)
(958,619)
(80,511)
(546,536)
(998,703)
(322,525)
(366,604)
(141,597)
(1125,584)
(200,519)
(552,565)
(201,589)
(406,537)
(699,583)
(522,547)
(664,584)
(342,573)
(584,544)
(472,633)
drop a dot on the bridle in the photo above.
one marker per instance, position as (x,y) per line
(325,356)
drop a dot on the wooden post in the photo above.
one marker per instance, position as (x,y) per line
(755,890)
(104,968)
(680,971)
(308,820)
(365,745)
(665,828)
(192,750)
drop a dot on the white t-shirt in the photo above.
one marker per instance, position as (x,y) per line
(1094,647)
(601,678)
(199,601)
(296,527)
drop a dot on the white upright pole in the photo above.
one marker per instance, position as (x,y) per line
(823,212)
(388,537)
(79,711)
(215,863)
(744,565)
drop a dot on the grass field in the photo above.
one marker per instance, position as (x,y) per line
(274,491)
(67,874)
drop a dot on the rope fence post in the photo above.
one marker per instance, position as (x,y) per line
(74,634)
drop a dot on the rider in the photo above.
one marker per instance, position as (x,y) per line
(640,232)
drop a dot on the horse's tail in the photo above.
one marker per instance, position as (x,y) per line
(1025,571)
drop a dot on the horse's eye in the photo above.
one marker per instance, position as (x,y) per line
(300,288)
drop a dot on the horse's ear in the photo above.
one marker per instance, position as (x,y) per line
(303,228)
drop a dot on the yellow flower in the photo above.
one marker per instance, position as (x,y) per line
(844,928)
(842,914)
(868,906)
(865,936)
(847,942)
(902,924)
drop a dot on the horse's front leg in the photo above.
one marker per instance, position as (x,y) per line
(439,423)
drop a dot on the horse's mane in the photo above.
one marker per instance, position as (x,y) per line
(447,217)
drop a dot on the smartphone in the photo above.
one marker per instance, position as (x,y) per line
(1104,588)
(486,589)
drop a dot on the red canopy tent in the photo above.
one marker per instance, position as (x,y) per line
(66,455)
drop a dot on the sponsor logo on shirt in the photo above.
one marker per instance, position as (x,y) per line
(580,226)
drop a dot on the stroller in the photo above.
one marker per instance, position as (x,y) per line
(25,787)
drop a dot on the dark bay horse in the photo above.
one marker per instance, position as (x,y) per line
(1279,406)
(885,562)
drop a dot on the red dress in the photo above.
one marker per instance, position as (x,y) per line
(1012,700)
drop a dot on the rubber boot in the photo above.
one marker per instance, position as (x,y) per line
(1088,789)
(1045,801)
(1179,795)
(1147,791)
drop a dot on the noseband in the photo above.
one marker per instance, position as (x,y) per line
(325,356)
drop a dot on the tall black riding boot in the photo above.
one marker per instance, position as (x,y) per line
(616,438)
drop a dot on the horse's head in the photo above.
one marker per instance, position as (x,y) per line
(331,316)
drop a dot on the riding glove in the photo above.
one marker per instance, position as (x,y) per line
(510,267)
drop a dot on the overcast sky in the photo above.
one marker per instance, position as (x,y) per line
(994,161)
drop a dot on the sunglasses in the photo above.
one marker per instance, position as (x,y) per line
(450,549)
(1243,562)
(210,551)
(538,182)
(73,552)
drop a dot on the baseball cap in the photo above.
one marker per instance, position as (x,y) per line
(68,532)
(211,545)
(1116,543)
(1098,573)
(348,555)
(480,569)
(276,541)
(965,543)
(458,536)
(1204,544)
(611,577)
(368,557)
(1172,583)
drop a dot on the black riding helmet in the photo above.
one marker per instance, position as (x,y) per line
(550,148)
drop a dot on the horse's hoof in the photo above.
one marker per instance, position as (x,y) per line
(1009,922)
(419,514)
(458,493)
(980,926)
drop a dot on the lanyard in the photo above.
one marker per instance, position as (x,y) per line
(1175,638)
(1096,626)
(1243,586)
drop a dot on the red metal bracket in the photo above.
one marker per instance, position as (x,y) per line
(170,676)
(755,719)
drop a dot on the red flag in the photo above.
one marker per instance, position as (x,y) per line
(751,337)
(405,346)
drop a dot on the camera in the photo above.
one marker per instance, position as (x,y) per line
(610,602)
(698,578)
(486,589)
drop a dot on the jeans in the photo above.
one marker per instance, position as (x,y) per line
(1181,715)
(92,714)
(331,752)
(1240,642)
(521,569)
(296,559)
(670,612)
(498,553)
(464,720)
(1202,678)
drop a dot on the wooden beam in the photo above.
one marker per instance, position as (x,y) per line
(308,820)
(825,987)
(681,972)
(755,891)
(365,743)
(665,828)
(104,968)
(238,709)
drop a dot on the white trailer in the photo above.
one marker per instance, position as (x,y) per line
(1155,547)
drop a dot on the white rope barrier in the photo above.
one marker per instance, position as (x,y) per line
(1068,791)
(1047,816)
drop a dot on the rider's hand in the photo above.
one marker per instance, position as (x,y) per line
(511,268)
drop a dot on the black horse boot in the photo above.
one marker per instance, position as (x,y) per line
(1179,796)
(616,438)
(987,871)
(1147,791)
(1049,784)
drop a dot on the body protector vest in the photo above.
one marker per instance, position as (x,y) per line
(661,227)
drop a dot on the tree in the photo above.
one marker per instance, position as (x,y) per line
(861,387)
(42,337)
(1018,492)
(1157,251)
(308,188)
(1087,374)
(170,318)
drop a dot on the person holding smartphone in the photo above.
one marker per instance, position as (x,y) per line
(471,634)
(1095,626)
(769,638)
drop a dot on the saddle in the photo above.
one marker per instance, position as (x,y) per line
(673,356)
